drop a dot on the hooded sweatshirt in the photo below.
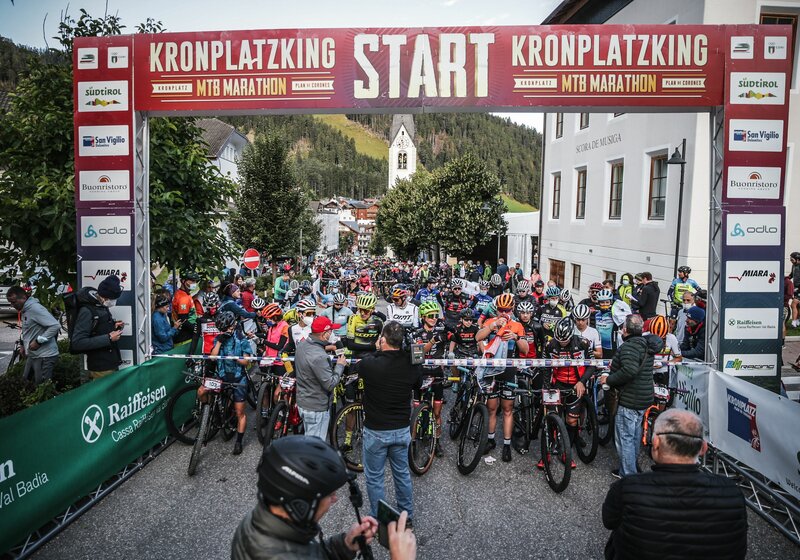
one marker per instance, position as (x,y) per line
(36,322)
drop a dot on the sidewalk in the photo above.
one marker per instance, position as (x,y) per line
(790,377)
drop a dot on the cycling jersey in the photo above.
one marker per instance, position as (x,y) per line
(464,337)
(338,317)
(362,335)
(453,305)
(538,298)
(437,335)
(548,316)
(534,336)
(607,329)
(680,287)
(408,315)
(577,349)
(206,329)
(231,346)
(277,335)
(590,335)
(671,349)
(425,295)
(513,326)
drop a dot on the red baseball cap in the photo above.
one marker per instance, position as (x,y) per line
(323,324)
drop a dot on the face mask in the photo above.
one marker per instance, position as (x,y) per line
(687,306)
(553,302)
(110,302)
(626,282)
(483,292)
(270,323)
(191,287)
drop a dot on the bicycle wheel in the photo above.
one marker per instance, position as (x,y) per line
(521,436)
(648,422)
(350,419)
(457,415)
(605,422)
(182,427)
(473,439)
(423,439)
(278,424)
(228,419)
(587,440)
(251,392)
(556,452)
(205,417)
(264,410)
(14,358)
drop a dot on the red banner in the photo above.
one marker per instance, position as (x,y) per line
(486,67)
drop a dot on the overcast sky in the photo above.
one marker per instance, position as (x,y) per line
(32,22)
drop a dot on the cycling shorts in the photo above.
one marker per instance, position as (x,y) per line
(239,390)
(572,404)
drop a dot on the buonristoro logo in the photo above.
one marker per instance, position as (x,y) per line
(97,97)
(106,140)
(754,182)
(98,186)
(93,421)
(751,88)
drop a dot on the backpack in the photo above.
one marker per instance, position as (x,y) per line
(71,307)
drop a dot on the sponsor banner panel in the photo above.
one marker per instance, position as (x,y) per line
(104,186)
(758,88)
(752,323)
(753,276)
(106,231)
(103,140)
(753,425)
(692,378)
(93,272)
(753,183)
(756,135)
(100,97)
(750,364)
(756,228)
(82,438)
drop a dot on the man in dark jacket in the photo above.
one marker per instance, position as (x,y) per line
(648,296)
(677,510)
(693,346)
(96,332)
(631,373)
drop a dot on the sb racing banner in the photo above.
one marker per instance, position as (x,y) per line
(57,452)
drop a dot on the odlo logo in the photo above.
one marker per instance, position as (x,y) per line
(738,231)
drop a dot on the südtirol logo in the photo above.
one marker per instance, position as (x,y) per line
(96,97)
(742,419)
(92,423)
(749,88)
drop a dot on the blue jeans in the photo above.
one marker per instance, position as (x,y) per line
(378,445)
(628,438)
(315,423)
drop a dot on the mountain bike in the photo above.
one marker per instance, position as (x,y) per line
(285,415)
(525,411)
(599,401)
(348,430)
(265,401)
(662,400)
(472,424)
(339,399)
(217,414)
(424,431)
(17,354)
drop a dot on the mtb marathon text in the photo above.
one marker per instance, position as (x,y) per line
(413,65)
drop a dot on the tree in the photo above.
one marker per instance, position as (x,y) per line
(37,216)
(401,219)
(376,245)
(346,241)
(271,208)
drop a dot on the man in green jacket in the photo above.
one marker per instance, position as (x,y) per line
(631,373)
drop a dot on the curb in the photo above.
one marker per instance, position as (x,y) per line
(793,339)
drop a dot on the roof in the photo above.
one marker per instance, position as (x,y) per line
(216,134)
(404,120)
(585,11)
(350,224)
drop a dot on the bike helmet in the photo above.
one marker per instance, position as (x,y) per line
(565,295)
(581,311)
(483,285)
(366,301)
(467,314)
(305,287)
(306,304)
(271,310)
(596,286)
(525,307)
(659,327)
(523,287)
(552,291)
(795,256)
(297,473)
(504,301)
(538,283)
(429,308)
(339,299)
(258,304)
(685,269)
(161,301)
(225,320)
(291,317)
(211,299)
(399,291)
(564,330)
(193,276)
(456,283)
(294,285)
(605,295)
(495,280)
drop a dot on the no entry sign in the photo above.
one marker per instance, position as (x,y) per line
(251,259)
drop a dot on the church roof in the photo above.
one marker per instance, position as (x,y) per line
(397,121)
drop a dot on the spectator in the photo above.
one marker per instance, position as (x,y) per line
(230,303)
(183,308)
(39,334)
(795,303)
(535,276)
(680,321)
(676,510)
(693,346)
(163,332)
(316,379)
(625,288)
(636,292)
(248,293)
(96,333)
(297,482)
(608,284)
(648,298)
(502,269)
(631,373)
(280,288)
(389,379)
(487,270)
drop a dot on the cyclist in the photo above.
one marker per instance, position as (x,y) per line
(565,345)
(339,314)
(581,315)
(305,311)
(538,292)
(680,285)
(433,336)
(591,301)
(511,333)
(428,293)
(402,310)
(232,370)
(364,282)
(565,300)
(454,303)
(363,327)
(183,308)
(605,324)
(482,300)
(495,286)
(276,331)
(206,329)
(229,303)
(523,294)
(551,312)
(534,334)
(670,349)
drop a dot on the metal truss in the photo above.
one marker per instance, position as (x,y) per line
(776,506)
(141,265)
(44,534)
(715,238)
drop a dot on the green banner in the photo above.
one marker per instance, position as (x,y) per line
(56,452)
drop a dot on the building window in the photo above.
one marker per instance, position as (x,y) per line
(556,196)
(576,277)
(559,125)
(608,275)
(557,272)
(402,160)
(584,122)
(580,207)
(658,188)
(615,200)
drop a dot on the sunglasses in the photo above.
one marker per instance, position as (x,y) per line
(431,316)
(504,309)
(309,314)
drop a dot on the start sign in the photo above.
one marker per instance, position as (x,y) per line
(251,259)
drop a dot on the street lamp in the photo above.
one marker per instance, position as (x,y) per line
(678,158)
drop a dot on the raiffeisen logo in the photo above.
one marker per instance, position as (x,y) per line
(136,403)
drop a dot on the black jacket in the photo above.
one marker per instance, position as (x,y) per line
(90,335)
(632,371)
(694,343)
(675,512)
(648,300)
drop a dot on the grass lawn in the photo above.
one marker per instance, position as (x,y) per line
(516,206)
(366,143)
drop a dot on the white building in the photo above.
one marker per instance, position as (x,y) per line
(521,239)
(609,200)
(402,150)
(329,222)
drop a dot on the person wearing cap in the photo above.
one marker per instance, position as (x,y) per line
(316,377)
(96,332)
(163,332)
(209,287)
(693,346)
(297,482)
(183,309)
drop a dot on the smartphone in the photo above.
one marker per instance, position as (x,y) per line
(339,351)
(386,514)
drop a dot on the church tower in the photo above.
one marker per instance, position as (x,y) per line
(402,150)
